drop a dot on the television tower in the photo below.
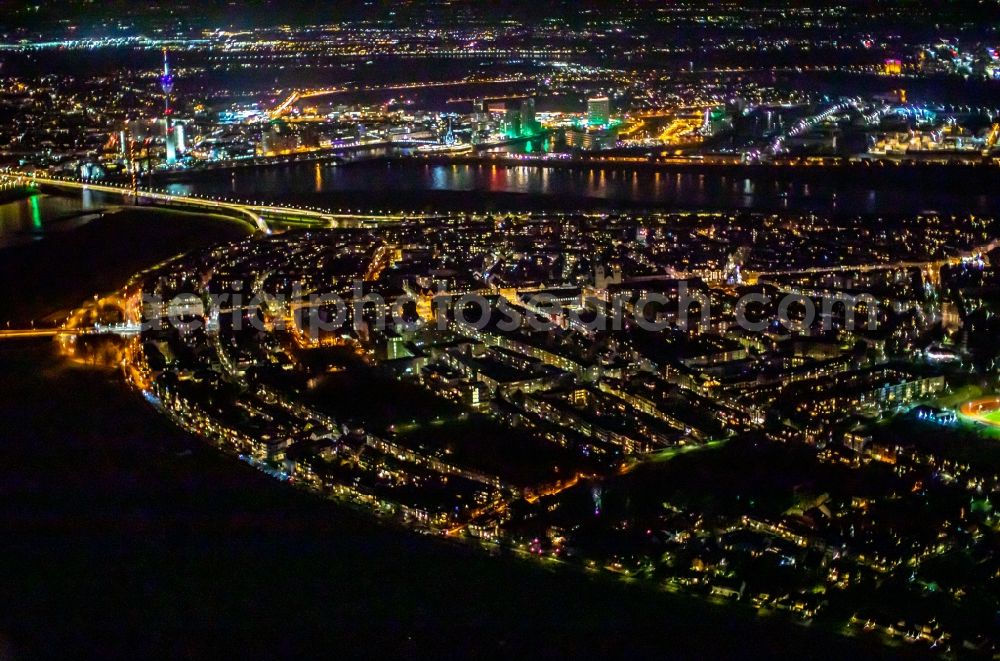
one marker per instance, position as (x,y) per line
(167,85)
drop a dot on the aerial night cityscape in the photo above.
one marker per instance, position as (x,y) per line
(459,329)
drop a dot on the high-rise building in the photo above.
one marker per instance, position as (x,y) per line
(598,111)
(179,144)
(512,122)
(519,119)
(527,114)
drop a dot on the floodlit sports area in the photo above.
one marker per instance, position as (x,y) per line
(985,411)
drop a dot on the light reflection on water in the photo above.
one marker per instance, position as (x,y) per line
(393,185)
(31,218)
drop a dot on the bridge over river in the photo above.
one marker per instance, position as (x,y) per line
(259,215)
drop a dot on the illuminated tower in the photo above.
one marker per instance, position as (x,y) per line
(167,85)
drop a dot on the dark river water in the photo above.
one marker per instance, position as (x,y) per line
(385,185)
(32,218)
(394,185)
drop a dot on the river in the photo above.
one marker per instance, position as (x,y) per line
(31,218)
(394,185)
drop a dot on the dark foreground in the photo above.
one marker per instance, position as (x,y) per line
(122,537)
